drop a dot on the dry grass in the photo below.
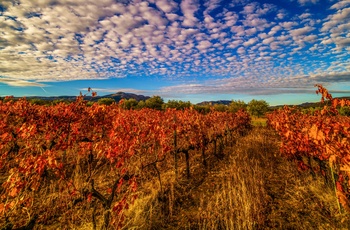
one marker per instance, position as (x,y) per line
(259,121)
(253,187)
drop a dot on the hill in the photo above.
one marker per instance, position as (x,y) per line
(117,97)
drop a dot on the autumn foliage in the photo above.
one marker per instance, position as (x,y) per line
(319,142)
(68,164)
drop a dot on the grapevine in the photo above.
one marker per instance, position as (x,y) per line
(58,154)
(323,137)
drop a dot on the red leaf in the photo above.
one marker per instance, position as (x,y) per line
(89,197)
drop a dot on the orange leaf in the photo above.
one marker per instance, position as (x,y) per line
(14,192)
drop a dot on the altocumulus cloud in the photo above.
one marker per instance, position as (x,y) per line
(222,46)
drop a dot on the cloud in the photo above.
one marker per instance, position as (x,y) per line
(250,42)
(241,50)
(20,83)
(44,40)
(310,38)
(203,45)
(304,2)
(288,25)
(340,4)
(166,6)
(241,85)
(212,5)
(189,7)
(267,41)
(301,31)
(337,26)
(331,77)
(258,86)
(336,19)
(304,15)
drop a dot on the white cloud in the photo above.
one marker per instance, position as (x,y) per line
(203,45)
(288,25)
(102,39)
(301,31)
(336,19)
(250,42)
(250,8)
(340,4)
(304,15)
(212,5)
(244,85)
(281,14)
(310,38)
(189,7)
(267,41)
(172,17)
(20,83)
(337,26)
(241,50)
(331,77)
(342,15)
(251,31)
(238,30)
(235,44)
(166,6)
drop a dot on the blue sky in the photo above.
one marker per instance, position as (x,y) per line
(179,49)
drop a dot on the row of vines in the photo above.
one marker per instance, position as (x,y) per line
(68,164)
(319,142)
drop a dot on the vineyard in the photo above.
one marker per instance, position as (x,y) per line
(74,166)
(319,142)
(53,157)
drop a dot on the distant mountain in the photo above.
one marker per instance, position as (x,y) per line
(117,97)
(121,95)
(306,105)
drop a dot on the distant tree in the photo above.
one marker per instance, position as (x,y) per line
(141,104)
(105,101)
(257,108)
(174,104)
(155,102)
(9,98)
(90,103)
(58,101)
(220,107)
(202,108)
(310,110)
(37,101)
(344,111)
(234,106)
(130,103)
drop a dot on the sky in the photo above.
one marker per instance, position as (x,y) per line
(190,50)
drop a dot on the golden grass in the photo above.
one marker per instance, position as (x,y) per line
(259,121)
(253,187)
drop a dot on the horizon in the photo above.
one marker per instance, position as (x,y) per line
(141,95)
(185,50)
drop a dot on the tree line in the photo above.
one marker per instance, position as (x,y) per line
(255,108)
